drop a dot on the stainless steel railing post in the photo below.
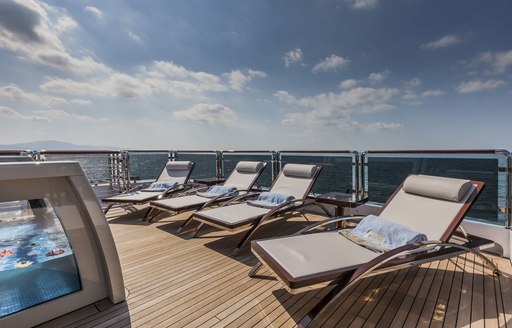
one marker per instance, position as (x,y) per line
(219,164)
(362,161)
(355,172)
(508,193)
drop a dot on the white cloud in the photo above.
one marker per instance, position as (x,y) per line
(82,102)
(58,114)
(348,84)
(33,30)
(331,64)
(134,37)
(499,61)
(445,41)
(11,113)
(94,11)
(415,82)
(478,85)
(159,77)
(13,92)
(378,77)
(432,93)
(208,114)
(362,4)
(238,79)
(378,126)
(336,109)
(292,57)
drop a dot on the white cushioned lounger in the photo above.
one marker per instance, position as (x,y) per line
(243,177)
(427,204)
(295,180)
(177,172)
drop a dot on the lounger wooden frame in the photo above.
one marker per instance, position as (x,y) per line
(176,188)
(450,244)
(156,208)
(253,223)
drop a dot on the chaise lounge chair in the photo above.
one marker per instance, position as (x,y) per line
(291,187)
(174,177)
(240,181)
(434,206)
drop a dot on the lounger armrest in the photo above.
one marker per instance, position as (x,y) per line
(329,221)
(195,188)
(219,197)
(409,249)
(241,197)
(287,204)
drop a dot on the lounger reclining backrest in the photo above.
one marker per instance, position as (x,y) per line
(296,180)
(177,171)
(244,175)
(431,205)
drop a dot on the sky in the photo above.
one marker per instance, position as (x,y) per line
(263,75)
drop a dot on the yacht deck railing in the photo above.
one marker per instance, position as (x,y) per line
(372,172)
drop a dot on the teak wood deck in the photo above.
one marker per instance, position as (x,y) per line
(172,281)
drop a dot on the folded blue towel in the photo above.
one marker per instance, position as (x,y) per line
(381,234)
(215,191)
(160,186)
(270,199)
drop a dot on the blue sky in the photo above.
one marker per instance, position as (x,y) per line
(290,74)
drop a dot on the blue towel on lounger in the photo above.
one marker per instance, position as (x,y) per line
(160,186)
(381,234)
(270,199)
(215,191)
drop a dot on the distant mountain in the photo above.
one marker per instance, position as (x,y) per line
(54,145)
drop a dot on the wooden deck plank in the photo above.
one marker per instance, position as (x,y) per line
(505,282)
(374,311)
(420,298)
(399,297)
(440,305)
(464,313)
(174,281)
(425,318)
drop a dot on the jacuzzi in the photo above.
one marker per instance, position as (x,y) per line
(57,253)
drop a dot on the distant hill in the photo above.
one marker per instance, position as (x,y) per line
(54,145)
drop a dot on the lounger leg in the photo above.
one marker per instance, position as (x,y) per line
(187,221)
(196,231)
(107,208)
(312,314)
(152,214)
(245,239)
(149,211)
(255,269)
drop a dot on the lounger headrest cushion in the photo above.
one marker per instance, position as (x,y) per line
(437,187)
(299,170)
(178,166)
(248,167)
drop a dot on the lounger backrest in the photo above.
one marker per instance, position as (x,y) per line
(245,174)
(296,180)
(177,171)
(432,205)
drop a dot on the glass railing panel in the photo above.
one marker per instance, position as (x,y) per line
(96,166)
(338,169)
(205,163)
(147,165)
(385,171)
(230,159)
(37,263)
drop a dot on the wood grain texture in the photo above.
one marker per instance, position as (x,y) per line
(173,281)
